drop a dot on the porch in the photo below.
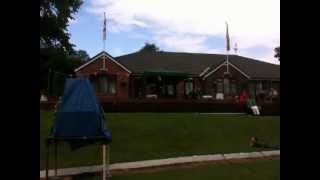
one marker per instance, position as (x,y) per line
(160,84)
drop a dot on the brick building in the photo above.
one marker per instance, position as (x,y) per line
(178,76)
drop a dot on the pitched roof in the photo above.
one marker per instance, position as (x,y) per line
(99,55)
(256,69)
(196,63)
(191,63)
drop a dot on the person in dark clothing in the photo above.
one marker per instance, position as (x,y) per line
(255,143)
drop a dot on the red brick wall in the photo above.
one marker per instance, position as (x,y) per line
(122,91)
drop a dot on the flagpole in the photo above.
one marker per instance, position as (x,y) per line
(104,40)
(104,175)
(227,46)
(104,30)
(227,62)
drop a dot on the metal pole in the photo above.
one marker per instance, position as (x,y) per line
(271,89)
(55,158)
(104,63)
(104,39)
(48,89)
(227,46)
(108,161)
(104,30)
(144,86)
(227,61)
(47,162)
(104,45)
(104,162)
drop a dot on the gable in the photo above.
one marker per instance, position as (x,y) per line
(96,63)
(223,68)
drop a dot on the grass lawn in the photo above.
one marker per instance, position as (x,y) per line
(142,136)
(253,170)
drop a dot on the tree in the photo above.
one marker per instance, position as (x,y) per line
(58,58)
(55,66)
(82,55)
(277,51)
(149,47)
(54,19)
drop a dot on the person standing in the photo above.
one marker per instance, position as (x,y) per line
(243,97)
(251,104)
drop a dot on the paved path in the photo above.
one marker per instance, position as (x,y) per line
(228,113)
(162,162)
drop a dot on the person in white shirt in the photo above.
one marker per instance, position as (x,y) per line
(251,104)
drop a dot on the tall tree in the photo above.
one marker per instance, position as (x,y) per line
(82,55)
(54,18)
(277,51)
(57,55)
(149,47)
(55,66)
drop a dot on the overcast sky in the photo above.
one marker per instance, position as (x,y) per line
(179,26)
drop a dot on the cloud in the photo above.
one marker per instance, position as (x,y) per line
(186,25)
(260,53)
(187,43)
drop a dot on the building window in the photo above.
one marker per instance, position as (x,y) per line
(170,89)
(226,86)
(266,85)
(189,88)
(112,85)
(251,88)
(233,89)
(219,86)
(259,87)
(106,84)
(102,84)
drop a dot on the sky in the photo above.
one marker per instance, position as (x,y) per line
(179,26)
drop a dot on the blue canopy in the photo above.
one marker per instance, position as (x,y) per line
(79,116)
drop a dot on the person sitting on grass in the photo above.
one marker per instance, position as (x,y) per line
(255,143)
(251,104)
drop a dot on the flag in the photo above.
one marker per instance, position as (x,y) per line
(104,27)
(227,38)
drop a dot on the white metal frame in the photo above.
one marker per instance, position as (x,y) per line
(106,161)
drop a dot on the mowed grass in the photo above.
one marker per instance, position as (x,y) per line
(143,136)
(253,170)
